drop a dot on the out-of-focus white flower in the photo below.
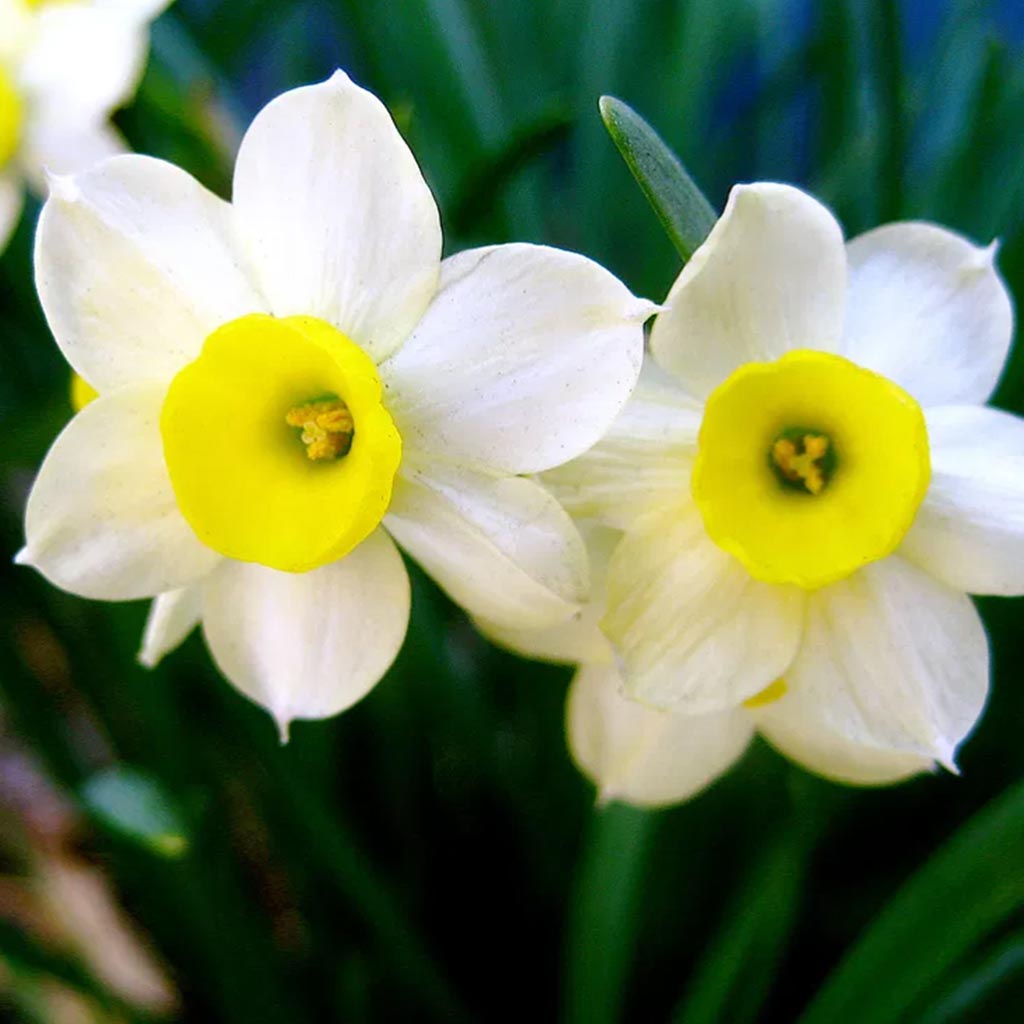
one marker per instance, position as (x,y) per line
(289,382)
(809,485)
(65,67)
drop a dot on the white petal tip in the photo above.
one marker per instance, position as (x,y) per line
(23,557)
(642,310)
(148,659)
(987,255)
(284,726)
(63,187)
(339,78)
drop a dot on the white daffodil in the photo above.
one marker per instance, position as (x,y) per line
(633,753)
(65,67)
(288,382)
(809,485)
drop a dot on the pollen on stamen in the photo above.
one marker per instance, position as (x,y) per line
(327,428)
(800,461)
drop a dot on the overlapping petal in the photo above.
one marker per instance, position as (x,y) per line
(969,532)
(579,639)
(337,219)
(172,616)
(928,310)
(136,265)
(891,660)
(694,630)
(503,548)
(641,464)
(101,520)
(770,277)
(523,360)
(644,756)
(308,645)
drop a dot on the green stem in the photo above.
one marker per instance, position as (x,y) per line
(604,913)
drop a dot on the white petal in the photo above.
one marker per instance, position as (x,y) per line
(101,520)
(16,22)
(136,266)
(172,616)
(641,464)
(969,532)
(504,549)
(10,207)
(770,277)
(308,645)
(808,738)
(337,218)
(53,145)
(579,639)
(523,360)
(928,310)
(138,10)
(694,630)
(644,756)
(891,660)
(84,62)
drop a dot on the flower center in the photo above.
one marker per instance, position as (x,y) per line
(277,443)
(11,117)
(803,459)
(327,427)
(810,425)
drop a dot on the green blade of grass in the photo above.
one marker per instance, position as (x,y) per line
(736,973)
(969,888)
(682,208)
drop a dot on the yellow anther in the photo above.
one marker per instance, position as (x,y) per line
(327,427)
(801,461)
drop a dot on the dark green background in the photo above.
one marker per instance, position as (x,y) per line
(433,855)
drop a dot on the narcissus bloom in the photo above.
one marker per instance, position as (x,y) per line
(809,485)
(65,66)
(288,382)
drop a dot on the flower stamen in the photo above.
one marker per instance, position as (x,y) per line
(802,461)
(327,428)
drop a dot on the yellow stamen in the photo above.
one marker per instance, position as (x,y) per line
(327,427)
(802,466)
(769,695)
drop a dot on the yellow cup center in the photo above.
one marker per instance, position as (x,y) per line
(277,442)
(809,467)
(11,117)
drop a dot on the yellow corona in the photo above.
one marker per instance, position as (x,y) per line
(809,467)
(278,445)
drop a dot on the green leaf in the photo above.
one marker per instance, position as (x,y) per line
(736,973)
(132,804)
(603,915)
(682,208)
(968,888)
(995,979)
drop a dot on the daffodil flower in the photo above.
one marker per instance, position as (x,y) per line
(65,66)
(809,485)
(290,383)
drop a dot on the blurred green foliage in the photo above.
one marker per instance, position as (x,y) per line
(432,854)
